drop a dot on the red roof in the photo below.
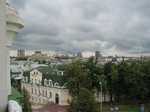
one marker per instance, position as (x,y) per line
(54,108)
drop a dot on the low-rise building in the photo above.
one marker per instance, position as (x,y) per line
(48,84)
(38,55)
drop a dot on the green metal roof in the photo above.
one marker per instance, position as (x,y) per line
(15,95)
(49,73)
(61,79)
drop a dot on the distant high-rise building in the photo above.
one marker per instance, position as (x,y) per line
(97,54)
(79,55)
(20,53)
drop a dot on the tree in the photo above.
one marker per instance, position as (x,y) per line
(93,71)
(136,85)
(38,60)
(43,61)
(120,87)
(85,102)
(21,59)
(111,68)
(77,77)
(146,70)
(25,101)
(79,83)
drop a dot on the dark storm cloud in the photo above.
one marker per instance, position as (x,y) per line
(70,26)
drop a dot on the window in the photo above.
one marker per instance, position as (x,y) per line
(35,81)
(43,93)
(39,92)
(32,98)
(56,84)
(39,81)
(50,94)
(32,91)
(35,92)
(26,79)
(50,82)
(46,93)
(39,100)
(45,82)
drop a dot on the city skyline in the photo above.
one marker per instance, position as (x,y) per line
(85,54)
(68,27)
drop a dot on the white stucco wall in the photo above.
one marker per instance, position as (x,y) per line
(10,24)
(3,66)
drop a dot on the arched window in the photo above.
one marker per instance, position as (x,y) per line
(65,85)
(45,82)
(50,83)
(56,84)
(26,79)
(56,98)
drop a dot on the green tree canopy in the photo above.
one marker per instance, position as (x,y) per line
(85,102)
(25,101)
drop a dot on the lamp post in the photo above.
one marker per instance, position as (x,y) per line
(101,100)
(101,95)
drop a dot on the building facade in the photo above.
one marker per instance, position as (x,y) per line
(38,55)
(97,54)
(48,84)
(20,53)
(79,55)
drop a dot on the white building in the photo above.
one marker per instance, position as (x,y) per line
(10,24)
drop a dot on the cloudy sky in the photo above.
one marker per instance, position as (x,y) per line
(113,27)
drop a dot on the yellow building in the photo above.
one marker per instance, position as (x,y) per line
(38,55)
(48,84)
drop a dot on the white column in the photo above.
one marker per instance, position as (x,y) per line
(3,66)
(8,70)
(13,24)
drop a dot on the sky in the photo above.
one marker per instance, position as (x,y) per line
(113,27)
